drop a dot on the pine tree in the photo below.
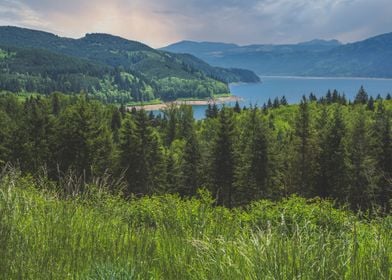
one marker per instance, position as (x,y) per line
(215,111)
(333,170)
(328,97)
(171,114)
(303,150)
(251,174)
(56,107)
(129,154)
(312,97)
(283,101)
(34,139)
(151,164)
(85,144)
(237,108)
(190,169)
(115,123)
(269,103)
(276,103)
(370,104)
(362,187)
(361,97)
(5,137)
(383,147)
(208,112)
(190,164)
(223,159)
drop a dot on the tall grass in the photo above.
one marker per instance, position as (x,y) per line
(99,236)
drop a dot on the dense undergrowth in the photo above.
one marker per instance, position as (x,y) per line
(47,234)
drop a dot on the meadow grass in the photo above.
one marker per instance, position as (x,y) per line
(45,234)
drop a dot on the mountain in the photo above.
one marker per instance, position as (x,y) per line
(118,70)
(368,58)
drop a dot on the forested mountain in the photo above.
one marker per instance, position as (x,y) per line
(109,67)
(324,147)
(368,58)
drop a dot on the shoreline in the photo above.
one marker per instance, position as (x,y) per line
(204,102)
(324,78)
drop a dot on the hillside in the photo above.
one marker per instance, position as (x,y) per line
(281,192)
(128,70)
(368,58)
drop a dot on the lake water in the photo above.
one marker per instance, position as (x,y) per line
(294,87)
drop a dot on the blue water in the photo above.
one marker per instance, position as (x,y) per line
(294,87)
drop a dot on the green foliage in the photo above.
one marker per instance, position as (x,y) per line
(100,236)
(109,68)
(315,149)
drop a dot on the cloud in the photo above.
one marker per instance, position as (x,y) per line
(159,22)
(15,12)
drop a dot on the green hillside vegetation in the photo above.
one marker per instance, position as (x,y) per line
(324,147)
(90,191)
(107,67)
(46,233)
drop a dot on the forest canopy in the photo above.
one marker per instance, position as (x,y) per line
(325,147)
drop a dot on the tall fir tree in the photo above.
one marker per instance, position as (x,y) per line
(362,164)
(251,176)
(304,150)
(129,156)
(383,147)
(223,159)
(333,169)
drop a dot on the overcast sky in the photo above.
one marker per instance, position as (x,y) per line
(160,22)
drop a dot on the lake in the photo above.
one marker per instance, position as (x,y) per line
(294,87)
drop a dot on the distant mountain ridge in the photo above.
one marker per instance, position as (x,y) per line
(129,70)
(368,58)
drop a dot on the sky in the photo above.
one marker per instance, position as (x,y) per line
(161,22)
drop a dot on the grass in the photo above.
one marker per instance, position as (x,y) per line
(45,234)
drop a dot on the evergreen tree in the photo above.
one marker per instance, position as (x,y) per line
(328,97)
(269,103)
(5,138)
(332,175)
(56,107)
(115,123)
(312,97)
(362,187)
(190,169)
(208,112)
(34,139)
(223,159)
(303,150)
(335,96)
(383,147)
(370,104)
(129,154)
(215,111)
(251,174)
(151,165)
(84,144)
(276,103)
(171,114)
(361,97)
(237,108)
(283,101)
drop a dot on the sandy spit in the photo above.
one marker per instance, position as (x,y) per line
(163,106)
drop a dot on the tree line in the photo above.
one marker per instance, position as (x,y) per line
(324,147)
